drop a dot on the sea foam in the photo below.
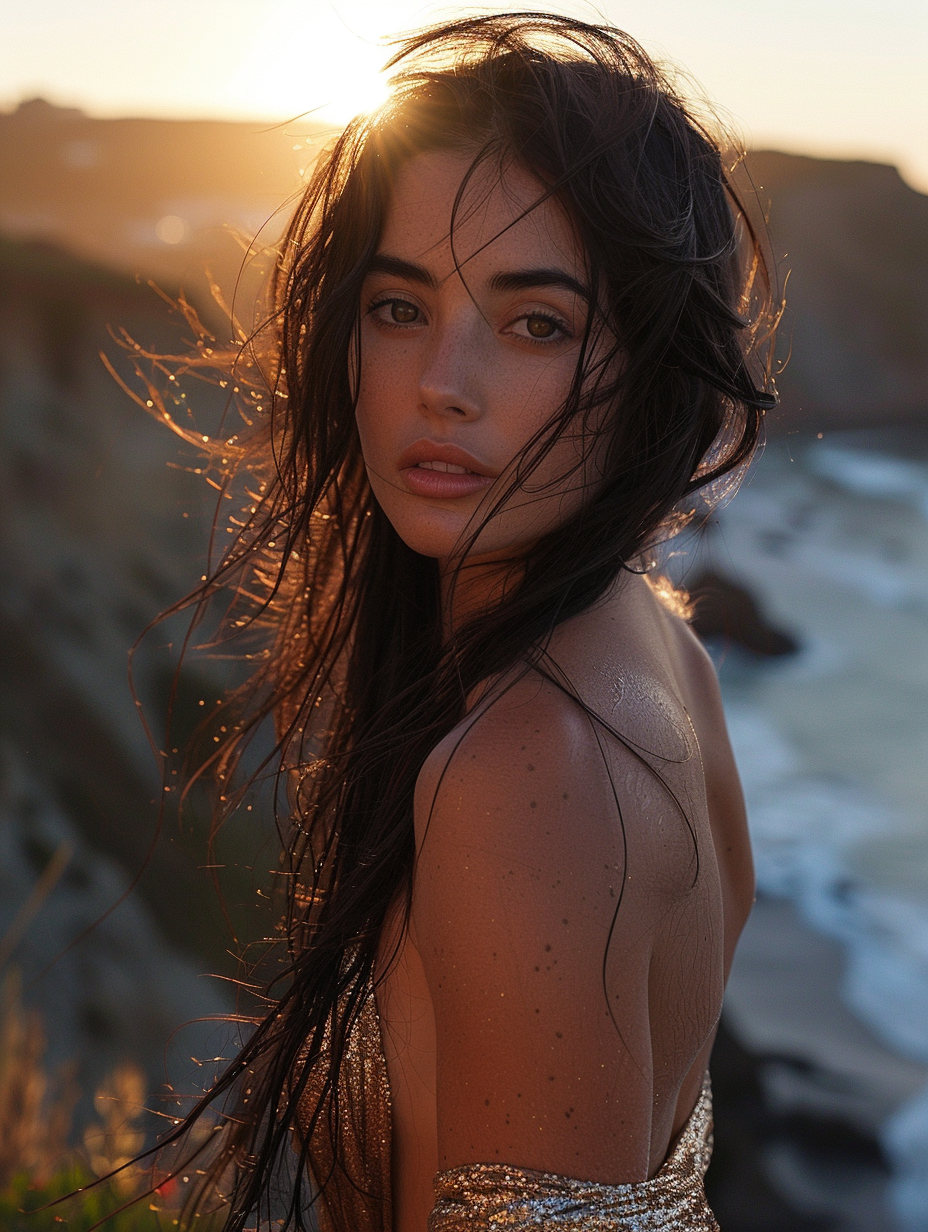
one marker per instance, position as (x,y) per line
(827,539)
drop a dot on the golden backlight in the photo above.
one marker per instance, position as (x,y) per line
(322,58)
(825,79)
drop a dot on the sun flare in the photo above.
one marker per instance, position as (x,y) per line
(359,88)
(327,59)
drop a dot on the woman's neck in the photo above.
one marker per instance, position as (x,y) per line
(472,587)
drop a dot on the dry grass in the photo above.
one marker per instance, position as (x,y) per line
(40,1165)
(35,1115)
(112,1145)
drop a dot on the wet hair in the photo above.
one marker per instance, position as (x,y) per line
(340,618)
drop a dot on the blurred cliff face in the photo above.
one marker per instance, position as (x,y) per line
(851,240)
(102,526)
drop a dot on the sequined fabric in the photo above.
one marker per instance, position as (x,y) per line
(491,1197)
(356,1156)
(349,1159)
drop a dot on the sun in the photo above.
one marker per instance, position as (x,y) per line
(360,86)
(323,59)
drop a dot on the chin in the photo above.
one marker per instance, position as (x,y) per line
(437,534)
(439,531)
(430,538)
(430,531)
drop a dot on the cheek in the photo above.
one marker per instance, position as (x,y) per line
(534,398)
(367,418)
(379,403)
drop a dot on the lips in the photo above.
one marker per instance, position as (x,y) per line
(443,471)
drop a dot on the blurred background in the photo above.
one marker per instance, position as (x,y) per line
(151,147)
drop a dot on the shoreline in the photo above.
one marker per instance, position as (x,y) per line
(784,1001)
(829,1083)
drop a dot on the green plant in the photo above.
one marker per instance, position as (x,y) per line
(25,1206)
(48,1185)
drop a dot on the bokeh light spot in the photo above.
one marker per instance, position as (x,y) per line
(172,229)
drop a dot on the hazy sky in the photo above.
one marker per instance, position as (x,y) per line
(839,77)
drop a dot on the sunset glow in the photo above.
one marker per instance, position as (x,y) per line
(327,59)
(825,79)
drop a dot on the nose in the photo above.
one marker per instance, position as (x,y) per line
(450,380)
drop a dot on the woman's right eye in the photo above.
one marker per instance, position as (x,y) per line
(395,311)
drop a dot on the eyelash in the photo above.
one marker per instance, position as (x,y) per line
(556,321)
(385,303)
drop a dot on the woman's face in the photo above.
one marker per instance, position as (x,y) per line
(459,370)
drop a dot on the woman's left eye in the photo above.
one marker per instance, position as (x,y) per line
(541,327)
(395,311)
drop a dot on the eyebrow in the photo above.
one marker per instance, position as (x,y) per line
(383,263)
(505,280)
(524,280)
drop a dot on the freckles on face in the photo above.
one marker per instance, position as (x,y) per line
(467,351)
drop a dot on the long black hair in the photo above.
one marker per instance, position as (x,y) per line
(340,622)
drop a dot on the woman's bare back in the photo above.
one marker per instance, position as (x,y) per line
(576,905)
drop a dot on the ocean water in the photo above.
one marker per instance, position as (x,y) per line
(831,537)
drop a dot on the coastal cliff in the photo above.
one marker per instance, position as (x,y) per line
(173,199)
(850,240)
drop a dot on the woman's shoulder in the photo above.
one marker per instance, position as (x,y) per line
(538,774)
(636,663)
(524,746)
(614,690)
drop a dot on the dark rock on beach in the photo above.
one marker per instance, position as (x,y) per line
(740,1191)
(774,1170)
(727,612)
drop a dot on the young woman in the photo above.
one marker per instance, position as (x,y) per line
(515,345)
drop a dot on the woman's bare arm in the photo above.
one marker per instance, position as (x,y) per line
(521,865)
